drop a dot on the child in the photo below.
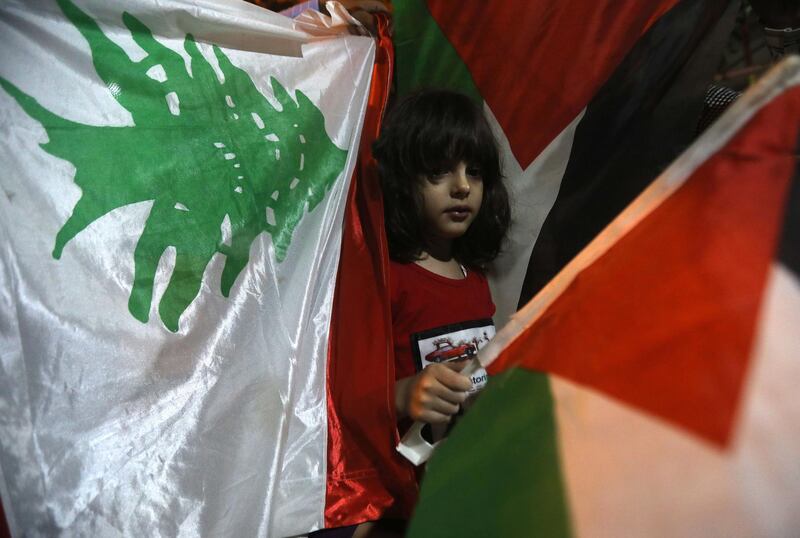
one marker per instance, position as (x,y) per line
(446,211)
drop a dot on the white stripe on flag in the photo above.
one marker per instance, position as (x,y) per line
(532,194)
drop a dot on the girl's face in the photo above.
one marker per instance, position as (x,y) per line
(451,201)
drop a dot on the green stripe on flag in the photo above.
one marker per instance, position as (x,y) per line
(498,473)
(423,55)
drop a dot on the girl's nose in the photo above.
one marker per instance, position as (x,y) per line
(460,184)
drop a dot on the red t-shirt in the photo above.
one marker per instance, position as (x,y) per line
(435,318)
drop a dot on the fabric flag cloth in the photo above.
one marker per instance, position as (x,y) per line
(670,343)
(367,479)
(590,100)
(174,179)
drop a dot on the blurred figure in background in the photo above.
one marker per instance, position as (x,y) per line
(781,22)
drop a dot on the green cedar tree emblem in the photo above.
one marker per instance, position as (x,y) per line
(203,151)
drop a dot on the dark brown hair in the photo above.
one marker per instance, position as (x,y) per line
(423,134)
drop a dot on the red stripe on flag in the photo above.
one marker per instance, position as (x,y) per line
(665,319)
(558,54)
(366,477)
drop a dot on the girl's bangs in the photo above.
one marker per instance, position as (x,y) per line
(469,142)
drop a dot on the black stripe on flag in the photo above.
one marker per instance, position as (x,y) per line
(634,127)
(789,248)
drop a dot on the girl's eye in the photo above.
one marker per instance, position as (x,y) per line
(474,171)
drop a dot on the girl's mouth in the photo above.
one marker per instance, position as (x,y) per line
(459,213)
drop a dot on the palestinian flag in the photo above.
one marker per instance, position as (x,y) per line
(670,347)
(590,100)
(173,184)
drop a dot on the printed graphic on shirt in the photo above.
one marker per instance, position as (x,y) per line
(455,342)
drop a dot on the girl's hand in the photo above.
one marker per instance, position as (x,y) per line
(434,394)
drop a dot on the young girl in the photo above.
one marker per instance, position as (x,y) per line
(446,212)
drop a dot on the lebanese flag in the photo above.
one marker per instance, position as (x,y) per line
(175,177)
(670,347)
